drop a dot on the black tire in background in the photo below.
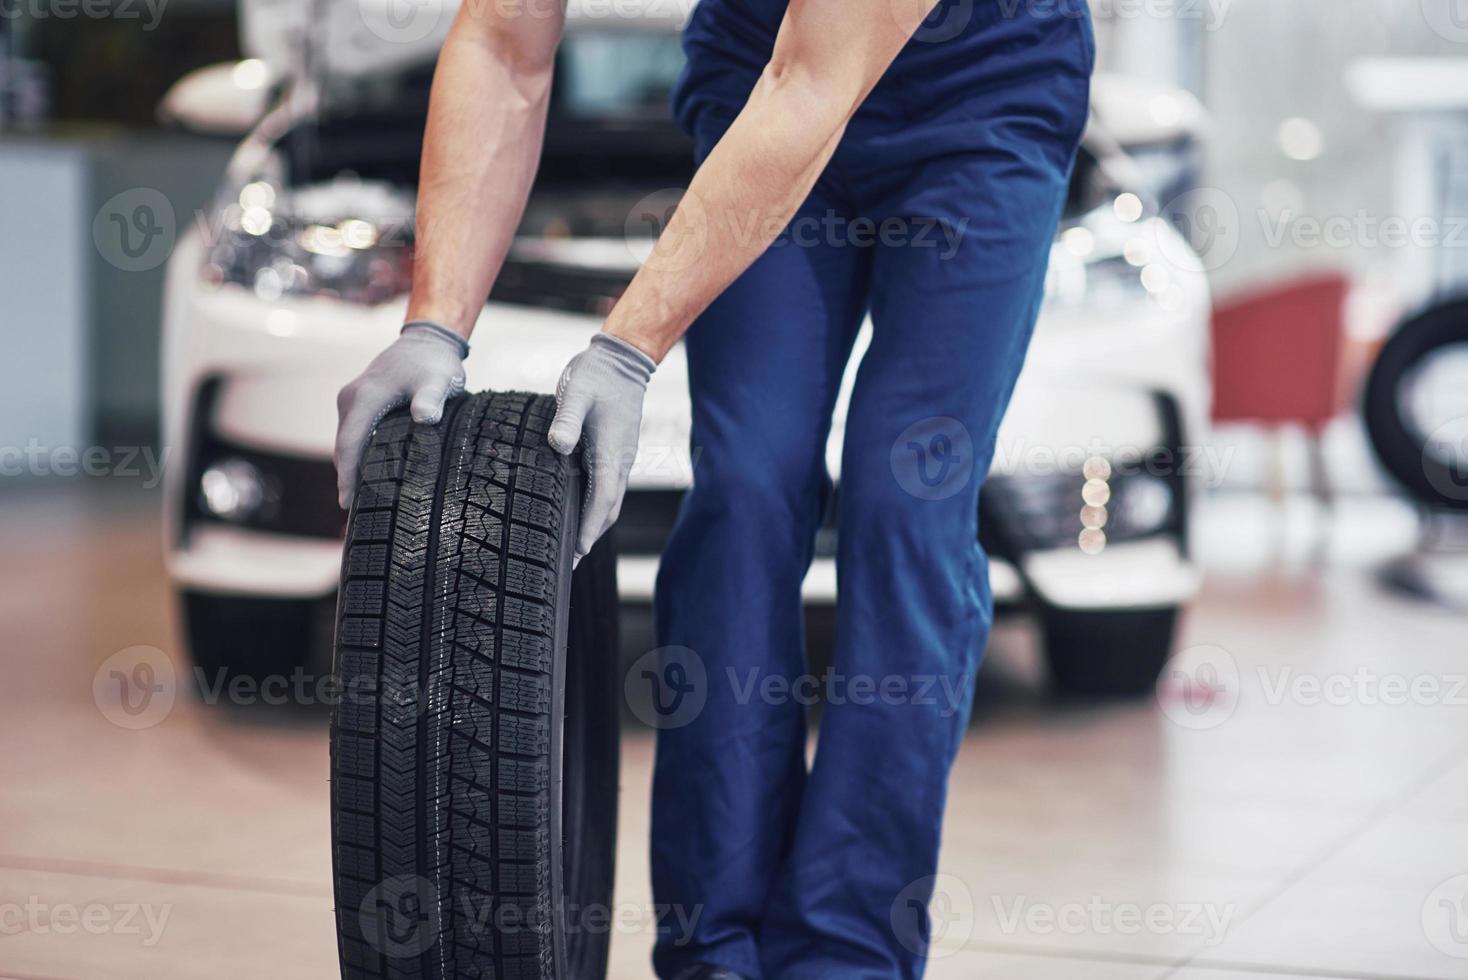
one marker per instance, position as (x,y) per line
(1403,450)
(1107,653)
(474,748)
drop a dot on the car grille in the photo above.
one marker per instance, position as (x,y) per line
(647,520)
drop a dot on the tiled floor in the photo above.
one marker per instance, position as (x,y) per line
(1309,823)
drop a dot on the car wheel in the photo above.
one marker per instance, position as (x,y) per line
(232,636)
(1409,406)
(474,747)
(1107,654)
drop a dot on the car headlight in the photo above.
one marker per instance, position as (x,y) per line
(324,241)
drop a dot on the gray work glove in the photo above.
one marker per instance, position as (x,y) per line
(423,367)
(599,406)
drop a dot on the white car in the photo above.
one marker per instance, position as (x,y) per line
(299,276)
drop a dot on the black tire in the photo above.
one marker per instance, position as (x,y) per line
(1107,654)
(1404,451)
(231,636)
(474,748)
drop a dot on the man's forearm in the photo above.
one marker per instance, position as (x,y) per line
(486,125)
(740,199)
(828,56)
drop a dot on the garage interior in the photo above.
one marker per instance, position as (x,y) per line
(1286,801)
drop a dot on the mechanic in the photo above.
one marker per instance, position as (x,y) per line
(961,113)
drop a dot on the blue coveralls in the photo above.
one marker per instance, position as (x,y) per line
(971,135)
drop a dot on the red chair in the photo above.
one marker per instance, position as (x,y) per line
(1279,359)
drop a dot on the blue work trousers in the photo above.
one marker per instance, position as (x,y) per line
(935,218)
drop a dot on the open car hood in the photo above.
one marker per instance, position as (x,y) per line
(362,38)
(357,38)
(348,37)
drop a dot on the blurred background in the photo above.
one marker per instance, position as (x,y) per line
(1220,730)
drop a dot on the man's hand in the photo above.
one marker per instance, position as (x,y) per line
(423,367)
(599,407)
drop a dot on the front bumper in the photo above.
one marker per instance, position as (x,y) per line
(1031,540)
(277,374)
(1141,575)
(233,561)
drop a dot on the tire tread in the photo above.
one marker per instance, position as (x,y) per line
(440,748)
